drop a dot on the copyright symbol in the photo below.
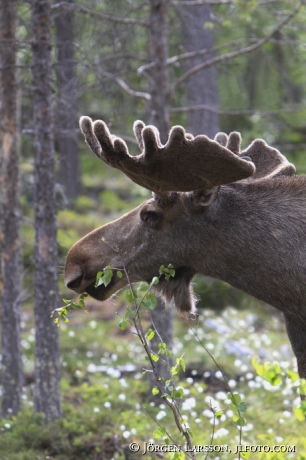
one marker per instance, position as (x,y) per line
(134,447)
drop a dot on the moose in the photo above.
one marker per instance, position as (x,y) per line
(238,216)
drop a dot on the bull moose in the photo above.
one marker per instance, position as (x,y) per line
(239,216)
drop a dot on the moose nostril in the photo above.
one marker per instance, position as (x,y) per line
(74,284)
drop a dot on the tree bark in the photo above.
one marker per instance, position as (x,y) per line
(47,369)
(10,213)
(159,74)
(67,119)
(162,318)
(162,324)
(201,88)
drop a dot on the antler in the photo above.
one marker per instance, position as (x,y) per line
(269,161)
(183,164)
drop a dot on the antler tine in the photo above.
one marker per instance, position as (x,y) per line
(269,161)
(234,142)
(137,128)
(183,164)
(87,129)
(221,138)
(231,142)
(109,148)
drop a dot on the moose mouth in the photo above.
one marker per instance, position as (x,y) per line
(101,292)
(104,292)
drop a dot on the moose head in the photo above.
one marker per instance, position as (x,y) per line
(233,215)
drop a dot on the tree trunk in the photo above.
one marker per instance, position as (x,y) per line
(47,370)
(159,73)
(162,324)
(201,88)
(67,119)
(162,318)
(10,257)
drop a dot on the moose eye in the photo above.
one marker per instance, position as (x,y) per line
(151,218)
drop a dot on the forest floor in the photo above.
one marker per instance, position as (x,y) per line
(107,404)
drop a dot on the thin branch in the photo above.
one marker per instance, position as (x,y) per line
(202,2)
(289,109)
(125,86)
(202,52)
(213,2)
(141,335)
(82,9)
(236,53)
(286,147)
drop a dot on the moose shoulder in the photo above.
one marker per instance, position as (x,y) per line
(236,216)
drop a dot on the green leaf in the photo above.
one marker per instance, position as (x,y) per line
(178,393)
(122,324)
(239,420)
(175,370)
(302,388)
(150,301)
(159,432)
(234,398)
(143,286)
(218,414)
(128,296)
(119,274)
(154,357)
(299,413)
(181,362)
(155,281)
(150,334)
(104,277)
(177,456)
(242,407)
(293,376)
(155,391)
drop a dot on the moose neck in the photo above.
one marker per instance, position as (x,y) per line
(252,236)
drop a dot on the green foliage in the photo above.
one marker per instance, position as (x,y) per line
(104,277)
(62,312)
(168,272)
(269,371)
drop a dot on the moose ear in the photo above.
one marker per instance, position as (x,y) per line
(203,197)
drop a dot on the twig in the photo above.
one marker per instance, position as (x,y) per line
(236,53)
(202,2)
(114,249)
(125,86)
(213,431)
(140,333)
(292,108)
(213,2)
(82,9)
(204,51)
(223,376)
